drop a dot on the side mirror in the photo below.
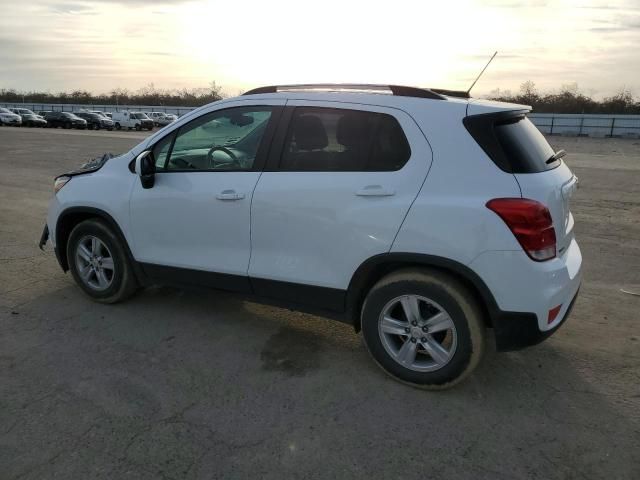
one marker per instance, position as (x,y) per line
(146,168)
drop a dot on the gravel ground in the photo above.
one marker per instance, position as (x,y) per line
(188,385)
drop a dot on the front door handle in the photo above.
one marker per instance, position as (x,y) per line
(375,191)
(229,195)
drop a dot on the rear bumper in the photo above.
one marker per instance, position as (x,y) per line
(514,330)
(525,291)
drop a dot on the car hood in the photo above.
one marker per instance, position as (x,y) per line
(91,166)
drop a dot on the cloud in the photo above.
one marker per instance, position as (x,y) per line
(71,8)
(101,44)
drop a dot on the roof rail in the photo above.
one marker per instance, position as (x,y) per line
(397,90)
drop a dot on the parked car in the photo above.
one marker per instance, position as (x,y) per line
(170,117)
(160,119)
(108,114)
(29,119)
(7,117)
(129,120)
(419,218)
(64,120)
(96,121)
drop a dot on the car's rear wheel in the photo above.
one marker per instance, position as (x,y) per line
(98,262)
(423,327)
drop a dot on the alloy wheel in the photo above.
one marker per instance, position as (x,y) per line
(95,263)
(417,333)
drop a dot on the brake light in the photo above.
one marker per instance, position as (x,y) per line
(531,224)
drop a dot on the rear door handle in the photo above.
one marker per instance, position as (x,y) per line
(375,191)
(229,195)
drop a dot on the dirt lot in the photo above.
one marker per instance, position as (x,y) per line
(189,385)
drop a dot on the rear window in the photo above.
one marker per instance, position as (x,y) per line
(512,141)
(525,146)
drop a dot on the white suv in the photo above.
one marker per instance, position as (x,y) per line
(419,217)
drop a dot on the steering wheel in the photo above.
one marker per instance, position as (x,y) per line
(234,160)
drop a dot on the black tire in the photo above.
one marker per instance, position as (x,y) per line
(458,302)
(118,127)
(123,282)
(138,127)
(68,125)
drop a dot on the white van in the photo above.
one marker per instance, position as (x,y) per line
(129,120)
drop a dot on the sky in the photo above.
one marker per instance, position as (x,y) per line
(99,45)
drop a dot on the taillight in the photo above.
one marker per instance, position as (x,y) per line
(531,224)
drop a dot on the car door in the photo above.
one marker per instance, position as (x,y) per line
(195,218)
(345,179)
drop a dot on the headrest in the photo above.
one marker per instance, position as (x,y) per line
(309,133)
(352,130)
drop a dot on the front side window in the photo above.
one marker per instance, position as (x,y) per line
(327,139)
(223,140)
(161,151)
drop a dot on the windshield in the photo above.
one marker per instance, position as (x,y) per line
(140,116)
(4,110)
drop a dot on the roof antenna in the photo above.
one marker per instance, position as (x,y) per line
(478,77)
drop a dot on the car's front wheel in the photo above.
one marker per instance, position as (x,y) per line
(423,327)
(99,263)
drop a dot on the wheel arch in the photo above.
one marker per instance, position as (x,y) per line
(378,266)
(72,216)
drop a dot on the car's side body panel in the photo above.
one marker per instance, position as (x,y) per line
(317,227)
(107,190)
(449,217)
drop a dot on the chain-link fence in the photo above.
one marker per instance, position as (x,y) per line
(587,125)
(548,123)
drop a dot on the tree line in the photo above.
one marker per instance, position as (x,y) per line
(568,99)
(149,95)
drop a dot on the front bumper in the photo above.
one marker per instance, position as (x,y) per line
(44,237)
(43,241)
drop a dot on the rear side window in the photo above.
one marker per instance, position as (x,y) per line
(340,140)
(512,142)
